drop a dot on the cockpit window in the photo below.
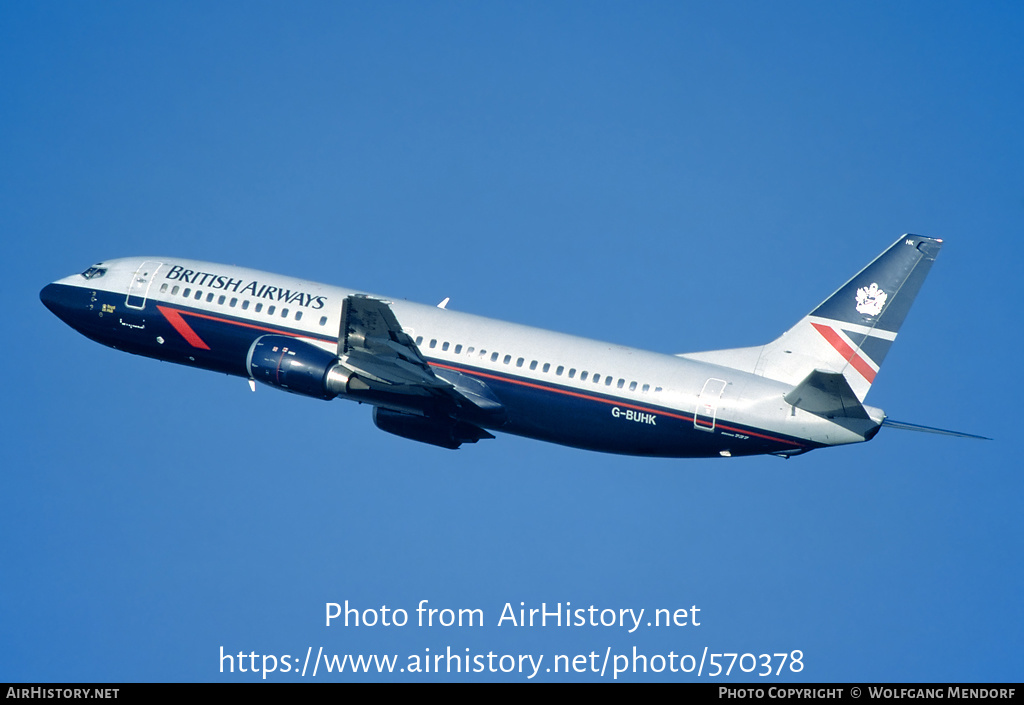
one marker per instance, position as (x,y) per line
(94,272)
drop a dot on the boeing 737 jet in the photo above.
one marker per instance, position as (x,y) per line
(447,378)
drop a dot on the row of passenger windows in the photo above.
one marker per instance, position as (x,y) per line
(559,371)
(234,301)
(546,368)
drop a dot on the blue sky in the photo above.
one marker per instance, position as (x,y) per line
(673,176)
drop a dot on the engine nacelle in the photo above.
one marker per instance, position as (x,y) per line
(296,366)
(446,433)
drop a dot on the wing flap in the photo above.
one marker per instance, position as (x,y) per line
(390,372)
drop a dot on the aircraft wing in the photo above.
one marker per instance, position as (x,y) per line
(372,344)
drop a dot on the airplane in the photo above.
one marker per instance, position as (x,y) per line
(447,378)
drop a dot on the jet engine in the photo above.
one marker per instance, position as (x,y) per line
(297,366)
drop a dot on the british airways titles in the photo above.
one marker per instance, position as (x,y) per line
(254,288)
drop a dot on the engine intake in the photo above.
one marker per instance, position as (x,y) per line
(297,367)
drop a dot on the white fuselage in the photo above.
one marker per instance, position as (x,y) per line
(556,387)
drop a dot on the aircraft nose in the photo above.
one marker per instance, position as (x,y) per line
(50,296)
(58,299)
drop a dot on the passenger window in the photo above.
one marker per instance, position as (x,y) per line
(233,302)
(572,372)
(444,346)
(163,287)
(270,309)
(458,348)
(259,307)
(559,370)
(632,386)
(433,343)
(621,383)
(298,315)
(284,313)
(608,381)
(419,340)
(187,293)
(245,304)
(323,320)
(583,375)
(494,357)
(209,297)
(646,388)
(533,364)
(221,299)
(199,295)
(174,290)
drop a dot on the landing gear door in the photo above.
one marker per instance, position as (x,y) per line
(138,289)
(707,404)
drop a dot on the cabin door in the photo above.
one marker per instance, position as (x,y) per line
(707,404)
(138,289)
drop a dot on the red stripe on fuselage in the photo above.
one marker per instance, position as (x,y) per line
(848,353)
(609,402)
(175,319)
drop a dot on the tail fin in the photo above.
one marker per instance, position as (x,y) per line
(852,330)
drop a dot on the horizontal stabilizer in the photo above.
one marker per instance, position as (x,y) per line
(826,394)
(928,429)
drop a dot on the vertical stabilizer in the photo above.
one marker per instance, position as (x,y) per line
(852,330)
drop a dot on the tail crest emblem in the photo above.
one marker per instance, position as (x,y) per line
(871,300)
